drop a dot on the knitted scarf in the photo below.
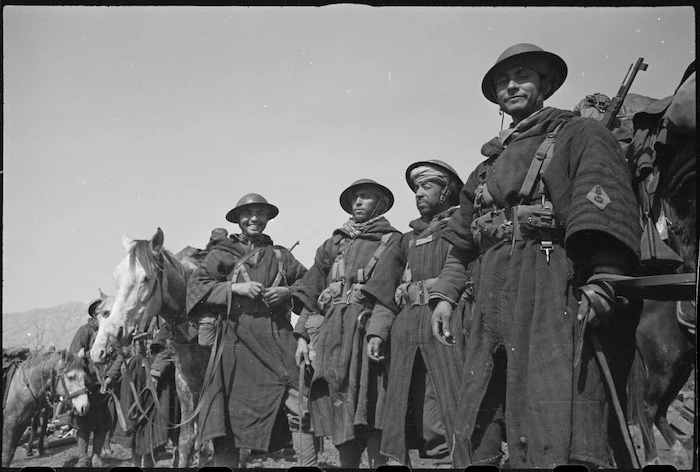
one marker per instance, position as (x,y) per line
(354,229)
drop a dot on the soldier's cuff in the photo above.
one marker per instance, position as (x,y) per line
(435,297)
(300,330)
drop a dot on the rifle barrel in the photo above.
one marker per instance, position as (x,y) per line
(616,103)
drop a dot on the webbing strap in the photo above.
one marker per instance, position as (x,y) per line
(240,269)
(407,276)
(363,275)
(540,161)
(280,269)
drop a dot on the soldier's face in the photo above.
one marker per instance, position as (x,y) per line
(253,220)
(518,91)
(363,201)
(428,198)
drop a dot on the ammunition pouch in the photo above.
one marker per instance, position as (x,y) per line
(340,292)
(414,293)
(208,326)
(516,223)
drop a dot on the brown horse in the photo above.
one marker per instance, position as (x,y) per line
(38,381)
(151,281)
(663,155)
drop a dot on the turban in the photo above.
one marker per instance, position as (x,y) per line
(428,173)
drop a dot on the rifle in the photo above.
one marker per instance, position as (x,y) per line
(293,246)
(616,103)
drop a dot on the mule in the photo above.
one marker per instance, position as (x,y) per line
(38,381)
(651,371)
(663,362)
(664,144)
(151,281)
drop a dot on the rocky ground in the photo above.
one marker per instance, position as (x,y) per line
(681,417)
(65,456)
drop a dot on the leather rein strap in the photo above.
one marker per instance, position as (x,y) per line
(669,287)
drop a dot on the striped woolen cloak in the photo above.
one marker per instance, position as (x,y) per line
(526,307)
(245,397)
(347,391)
(410,334)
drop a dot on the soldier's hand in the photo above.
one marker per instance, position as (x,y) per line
(598,304)
(248,289)
(374,349)
(81,353)
(440,322)
(276,295)
(105,385)
(587,313)
(302,354)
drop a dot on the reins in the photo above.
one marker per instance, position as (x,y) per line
(154,308)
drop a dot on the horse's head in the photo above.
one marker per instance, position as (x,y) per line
(71,384)
(150,282)
(135,276)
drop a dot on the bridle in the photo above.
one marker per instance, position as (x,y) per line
(50,388)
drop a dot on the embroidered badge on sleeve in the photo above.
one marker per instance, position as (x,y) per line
(598,197)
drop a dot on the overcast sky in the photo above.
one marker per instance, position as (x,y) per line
(123,119)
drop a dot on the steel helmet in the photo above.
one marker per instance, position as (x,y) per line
(345,196)
(248,200)
(553,67)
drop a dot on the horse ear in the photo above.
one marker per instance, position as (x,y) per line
(103,296)
(157,241)
(126,242)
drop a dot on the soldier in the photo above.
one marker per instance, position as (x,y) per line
(243,286)
(424,374)
(347,390)
(550,206)
(94,421)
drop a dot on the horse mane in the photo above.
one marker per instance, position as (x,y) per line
(50,359)
(163,264)
(150,262)
(143,253)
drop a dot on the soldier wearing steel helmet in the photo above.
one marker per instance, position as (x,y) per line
(347,391)
(550,206)
(241,289)
(424,375)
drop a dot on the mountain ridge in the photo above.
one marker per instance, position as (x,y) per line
(43,327)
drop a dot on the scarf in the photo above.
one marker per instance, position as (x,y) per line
(420,225)
(354,229)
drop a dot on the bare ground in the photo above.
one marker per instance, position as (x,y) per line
(66,456)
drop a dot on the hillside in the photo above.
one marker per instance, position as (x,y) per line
(43,326)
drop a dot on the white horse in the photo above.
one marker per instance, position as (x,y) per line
(151,281)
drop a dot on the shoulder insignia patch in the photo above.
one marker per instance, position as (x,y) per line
(598,197)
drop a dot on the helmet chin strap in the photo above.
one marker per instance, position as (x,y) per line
(375,211)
